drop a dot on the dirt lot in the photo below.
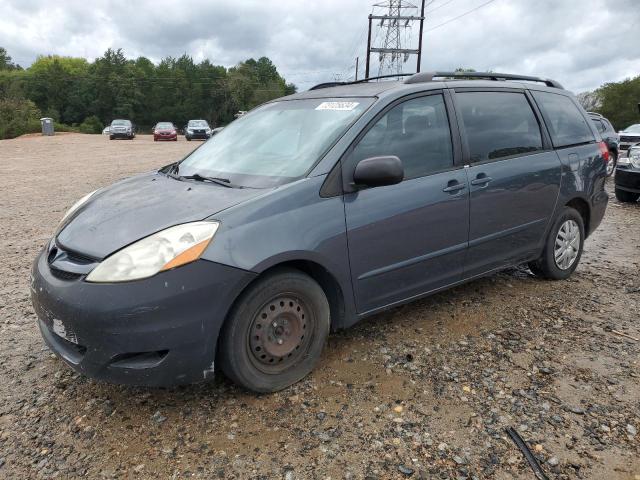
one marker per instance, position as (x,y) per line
(423,391)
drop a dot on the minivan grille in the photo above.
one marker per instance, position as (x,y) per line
(62,275)
(56,251)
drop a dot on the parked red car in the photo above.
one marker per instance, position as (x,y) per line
(165,131)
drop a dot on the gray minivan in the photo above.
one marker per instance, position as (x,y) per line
(314,211)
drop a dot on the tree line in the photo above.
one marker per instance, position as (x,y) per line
(84,96)
(617,101)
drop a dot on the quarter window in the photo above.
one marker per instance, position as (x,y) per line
(498,124)
(566,123)
(600,125)
(416,131)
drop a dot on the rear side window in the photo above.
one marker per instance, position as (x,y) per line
(416,131)
(600,125)
(498,124)
(567,125)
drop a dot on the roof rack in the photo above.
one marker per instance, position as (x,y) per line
(429,76)
(363,80)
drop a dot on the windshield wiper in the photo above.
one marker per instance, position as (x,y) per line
(225,182)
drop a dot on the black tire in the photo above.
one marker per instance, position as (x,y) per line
(286,305)
(111,137)
(188,139)
(626,197)
(612,163)
(547,266)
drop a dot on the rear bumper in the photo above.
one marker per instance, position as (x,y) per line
(628,179)
(161,331)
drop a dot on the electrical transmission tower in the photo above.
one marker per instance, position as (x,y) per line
(396,24)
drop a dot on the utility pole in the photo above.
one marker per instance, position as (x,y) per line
(357,62)
(366,72)
(398,19)
(420,38)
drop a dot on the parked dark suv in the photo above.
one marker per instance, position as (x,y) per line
(610,137)
(314,211)
(197,129)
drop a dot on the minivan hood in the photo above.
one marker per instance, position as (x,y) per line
(120,214)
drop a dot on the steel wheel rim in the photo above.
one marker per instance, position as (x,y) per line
(280,333)
(567,245)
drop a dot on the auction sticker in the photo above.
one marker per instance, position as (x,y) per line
(341,106)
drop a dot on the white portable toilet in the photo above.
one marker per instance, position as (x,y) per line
(47,126)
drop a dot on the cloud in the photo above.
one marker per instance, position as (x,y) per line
(581,43)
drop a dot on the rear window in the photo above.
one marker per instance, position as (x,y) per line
(566,123)
(498,124)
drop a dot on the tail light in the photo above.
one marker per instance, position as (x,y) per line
(604,151)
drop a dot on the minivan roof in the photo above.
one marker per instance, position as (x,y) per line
(373,87)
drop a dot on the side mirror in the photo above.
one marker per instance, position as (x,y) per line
(378,171)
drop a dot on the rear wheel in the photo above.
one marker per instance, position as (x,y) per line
(611,163)
(111,137)
(627,197)
(563,247)
(276,332)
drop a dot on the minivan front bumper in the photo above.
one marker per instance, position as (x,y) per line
(160,331)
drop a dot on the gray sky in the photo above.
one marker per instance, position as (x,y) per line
(581,43)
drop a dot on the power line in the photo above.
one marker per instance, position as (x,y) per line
(461,15)
(438,7)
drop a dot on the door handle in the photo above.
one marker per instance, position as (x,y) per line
(453,187)
(481,179)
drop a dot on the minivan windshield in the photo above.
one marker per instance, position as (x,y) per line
(632,129)
(276,143)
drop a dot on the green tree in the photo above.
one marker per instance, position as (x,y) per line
(619,102)
(5,61)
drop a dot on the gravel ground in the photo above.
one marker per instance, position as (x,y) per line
(422,391)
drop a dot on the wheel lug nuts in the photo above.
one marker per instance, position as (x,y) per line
(280,341)
(274,324)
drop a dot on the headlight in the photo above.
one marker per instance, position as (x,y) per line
(634,157)
(76,206)
(190,130)
(161,251)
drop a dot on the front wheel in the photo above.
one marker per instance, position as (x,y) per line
(611,163)
(563,247)
(626,197)
(276,332)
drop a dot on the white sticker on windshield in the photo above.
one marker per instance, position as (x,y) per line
(343,106)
